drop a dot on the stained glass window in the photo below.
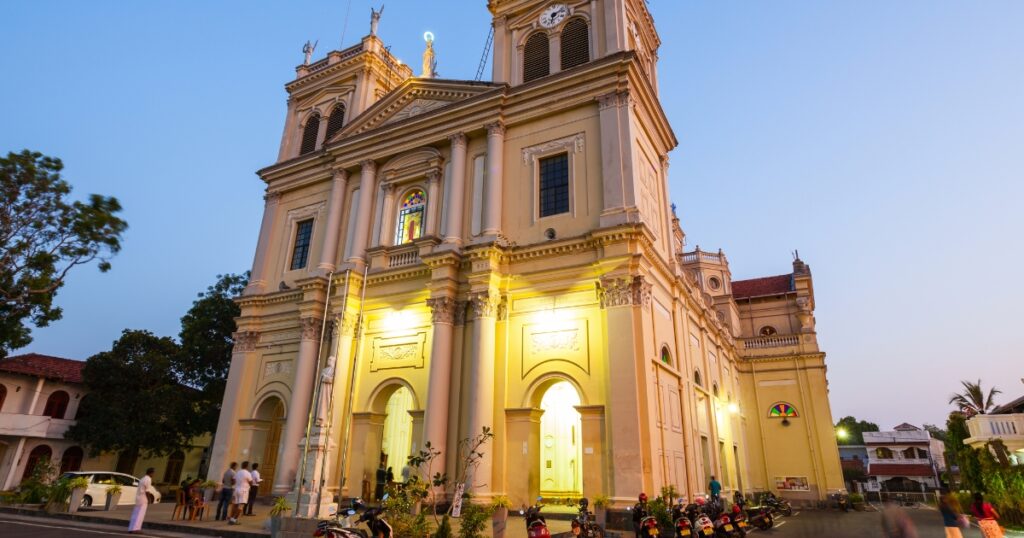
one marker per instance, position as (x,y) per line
(410,217)
(782,410)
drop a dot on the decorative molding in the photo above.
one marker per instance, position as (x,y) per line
(272,197)
(370,165)
(484,304)
(245,341)
(311,328)
(433,175)
(443,309)
(625,291)
(340,174)
(344,324)
(273,368)
(495,129)
(573,143)
(458,139)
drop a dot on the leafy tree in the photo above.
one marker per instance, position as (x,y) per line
(973,400)
(43,236)
(207,337)
(135,402)
(855,430)
(936,432)
(965,457)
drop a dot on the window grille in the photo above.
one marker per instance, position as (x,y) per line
(336,121)
(303,238)
(309,134)
(554,185)
(536,57)
(575,44)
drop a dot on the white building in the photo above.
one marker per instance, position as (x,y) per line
(1004,423)
(904,459)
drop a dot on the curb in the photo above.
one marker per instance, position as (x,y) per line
(155,526)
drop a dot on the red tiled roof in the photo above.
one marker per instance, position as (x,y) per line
(34,364)
(900,469)
(758,287)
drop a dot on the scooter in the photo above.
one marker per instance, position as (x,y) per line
(739,520)
(841,500)
(760,517)
(681,520)
(777,505)
(700,519)
(648,525)
(536,525)
(583,524)
(724,527)
(339,526)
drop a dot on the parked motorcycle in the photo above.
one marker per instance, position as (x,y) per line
(739,520)
(700,518)
(338,526)
(760,517)
(841,500)
(681,522)
(583,524)
(536,525)
(777,505)
(646,524)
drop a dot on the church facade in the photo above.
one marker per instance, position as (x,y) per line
(441,256)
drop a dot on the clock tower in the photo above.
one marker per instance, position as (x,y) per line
(613,26)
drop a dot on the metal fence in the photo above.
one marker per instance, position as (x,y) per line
(901,497)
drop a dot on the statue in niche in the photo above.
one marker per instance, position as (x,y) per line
(326,391)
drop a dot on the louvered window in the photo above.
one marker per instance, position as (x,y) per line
(309,134)
(335,122)
(575,44)
(536,57)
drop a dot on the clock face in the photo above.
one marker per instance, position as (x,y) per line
(553,15)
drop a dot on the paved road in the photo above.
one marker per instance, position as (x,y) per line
(828,524)
(48,528)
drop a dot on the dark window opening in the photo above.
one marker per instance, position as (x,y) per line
(536,57)
(309,134)
(554,185)
(303,238)
(72,460)
(336,121)
(56,405)
(575,44)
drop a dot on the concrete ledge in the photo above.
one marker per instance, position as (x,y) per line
(157,526)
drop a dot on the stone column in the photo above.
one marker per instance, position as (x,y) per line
(344,332)
(257,281)
(226,439)
(298,406)
(457,196)
(417,432)
(387,228)
(618,196)
(367,181)
(435,423)
(433,203)
(481,385)
(321,133)
(522,449)
(329,252)
(495,171)
(592,436)
(364,453)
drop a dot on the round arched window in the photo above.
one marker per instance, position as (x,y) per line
(410,217)
(696,378)
(768,330)
(666,357)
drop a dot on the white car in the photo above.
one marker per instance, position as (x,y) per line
(100,481)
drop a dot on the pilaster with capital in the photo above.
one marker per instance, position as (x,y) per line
(364,211)
(625,291)
(329,252)
(481,386)
(387,228)
(301,397)
(457,189)
(495,177)
(433,202)
(435,424)
(257,280)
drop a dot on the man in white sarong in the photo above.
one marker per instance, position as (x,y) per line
(243,481)
(141,502)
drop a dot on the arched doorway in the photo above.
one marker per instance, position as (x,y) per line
(71,460)
(271,411)
(175,462)
(39,454)
(397,440)
(561,450)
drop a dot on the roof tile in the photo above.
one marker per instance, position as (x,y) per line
(46,366)
(759,287)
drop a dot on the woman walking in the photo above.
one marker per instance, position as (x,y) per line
(141,502)
(988,518)
(952,515)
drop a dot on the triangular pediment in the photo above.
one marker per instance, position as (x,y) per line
(413,98)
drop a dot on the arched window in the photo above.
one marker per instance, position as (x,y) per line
(56,405)
(883,453)
(666,357)
(174,464)
(697,379)
(575,43)
(309,134)
(71,460)
(536,57)
(83,408)
(39,454)
(3,396)
(410,217)
(782,410)
(714,389)
(910,453)
(336,121)
(768,330)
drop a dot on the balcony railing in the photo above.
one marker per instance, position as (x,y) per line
(766,342)
(16,424)
(986,426)
(700,255)
(402,259)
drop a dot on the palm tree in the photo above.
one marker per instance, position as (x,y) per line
(973,400)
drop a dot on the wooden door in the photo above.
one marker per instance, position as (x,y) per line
(270,450)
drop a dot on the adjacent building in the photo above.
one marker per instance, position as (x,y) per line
(907,458)
(1003,424)
(40,398)
(441,256)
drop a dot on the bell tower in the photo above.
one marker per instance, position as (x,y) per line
(568,33)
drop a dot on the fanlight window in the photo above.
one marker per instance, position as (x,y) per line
(768,330)
(410,217)
(309,134)
(575,43)
(536,57)
(782,410)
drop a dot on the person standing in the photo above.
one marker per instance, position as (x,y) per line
(256,479)
(988,518)
(141,502)
(382,476)
(243,481)
(227,489)
(716,488)
(952,517)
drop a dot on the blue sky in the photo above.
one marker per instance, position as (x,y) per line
(884,140)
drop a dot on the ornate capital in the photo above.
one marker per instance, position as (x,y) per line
(614,99)
(340,174)
(433,175)
(461,307)
(272,197)
(311,328)
(484,304)
(369,165)
(495,129)
(458,139)
(344,324)
(627,291)
(388,188)
(245,341)
(443,309)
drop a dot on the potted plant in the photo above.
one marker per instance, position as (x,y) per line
(857,501)
(209,490)
(57,496)
(277,513)
(499,515)
(601,504)
(113,497)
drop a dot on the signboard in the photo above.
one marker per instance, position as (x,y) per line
(792,483)
(457,504)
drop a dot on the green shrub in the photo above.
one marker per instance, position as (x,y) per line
(602,501)
(398,508)
(280,507)
(473,520)
(661,512)
(444,530)
(36,488)
(856,498)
